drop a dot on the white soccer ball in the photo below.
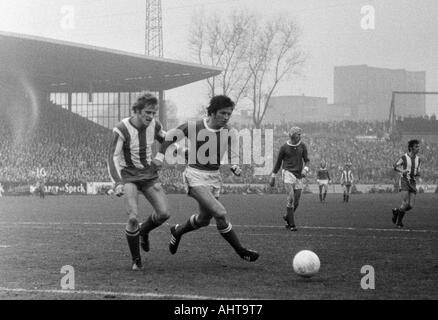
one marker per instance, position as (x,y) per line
(306,263)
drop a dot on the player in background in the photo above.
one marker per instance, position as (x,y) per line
(347,180)
(409,167)
(293,156)
(203,179)
(133,171)
(1,190)
(40,184)
(323,179)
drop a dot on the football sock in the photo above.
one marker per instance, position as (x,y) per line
(347,197)
(290,216)
(231,237)
(190,225)
(325,195)
(320,197)
(401,214)
(133,243)
(149,225)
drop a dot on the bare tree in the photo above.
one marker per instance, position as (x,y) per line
(255,54)
(274,56)
(223,42)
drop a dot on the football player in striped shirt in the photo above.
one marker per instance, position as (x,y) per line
(347,180)
(133,171)
(202,177)
(293,156)
(323,179)
(409,166)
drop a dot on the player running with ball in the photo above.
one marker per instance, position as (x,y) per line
(202,176)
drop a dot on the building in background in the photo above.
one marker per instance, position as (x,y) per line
(296,109)
(364,93)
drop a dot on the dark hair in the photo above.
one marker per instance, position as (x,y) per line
(412,143)
(147,99)
(219,102)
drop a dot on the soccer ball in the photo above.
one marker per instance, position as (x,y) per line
(306,263)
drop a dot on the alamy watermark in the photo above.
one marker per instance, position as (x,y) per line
(368,281)
(223,147)
(368,21)
(67,21)
(68,281)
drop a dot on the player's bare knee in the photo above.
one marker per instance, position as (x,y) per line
(220,214)
(133,222)
(162,216)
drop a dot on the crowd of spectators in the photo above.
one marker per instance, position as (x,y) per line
(73,149)
(68,147)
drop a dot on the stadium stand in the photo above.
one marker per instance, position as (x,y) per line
(73,149)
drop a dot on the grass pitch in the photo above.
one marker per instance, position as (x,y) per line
(39,237)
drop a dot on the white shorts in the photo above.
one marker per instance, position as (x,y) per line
(195,178)
(289,177)
(323,182)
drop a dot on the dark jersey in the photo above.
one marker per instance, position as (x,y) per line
(207,146)
(293,157)
(323,174)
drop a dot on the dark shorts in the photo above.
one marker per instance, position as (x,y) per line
(408,185)
(134,174)
(144,184)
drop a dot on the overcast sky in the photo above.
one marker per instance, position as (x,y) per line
(405,34)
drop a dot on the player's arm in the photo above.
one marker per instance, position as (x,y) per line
(171,137)
(160,134)
(277,166)
(418,169)
(398,166)
(306,160)
(233,155)
(113,161)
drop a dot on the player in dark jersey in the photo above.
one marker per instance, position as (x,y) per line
(347,180)
(209,140)
(409,167)
(133,170)
(323,179)
(293,156)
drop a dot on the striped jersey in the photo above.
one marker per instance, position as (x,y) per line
(409,163)
(131,151)
(347,177)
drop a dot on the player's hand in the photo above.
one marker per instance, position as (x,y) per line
(272,181)
(119,190)
(157,162)
(305,171)
(236,170)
